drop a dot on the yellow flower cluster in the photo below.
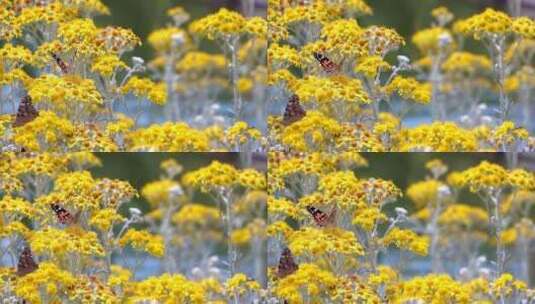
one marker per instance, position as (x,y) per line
(466,63)
(177,137)
(487,23)
(325,91)
(143,87)
(424,193)
(200,62)
(168,288)
(64,92)
(437,137)
(104,219)
(407,240)
(430,288)
(428,40)
(196,215)
(220,25)
(143,241)
(322,242)
(484,176)
(47,132)
(410,89)
(160,192)
(308,282)
(212,177)
(108,65)
(371,66)
(164,39)
(525,27)
(48,279)
(63,243)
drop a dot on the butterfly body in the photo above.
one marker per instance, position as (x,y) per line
(26,264)
(62,65)
(64,216)
(287,265)
(294,111)
(25,113)
(321,218)
(327,64)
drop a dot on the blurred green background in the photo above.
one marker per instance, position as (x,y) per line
(406,16)
(140,169)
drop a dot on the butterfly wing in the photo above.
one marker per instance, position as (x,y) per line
(287,265)
(321,218)
(327,64)
(62,65)
(25,113)
(26,263)
(64,216)
(293,112)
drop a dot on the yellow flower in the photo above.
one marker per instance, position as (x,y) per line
(15,208)
(521,179)
(201,62)
(433,288)
(168,288)
(196,214)
(485,175)
(104,219)
(64,243)
(48,279)
(371,66)
(525,27)
(464,216)
(321,242)
(252,179)
(164,39)
(487,23)
(437,137)
(428,40)
(308,282)
(168,137)
(143,241)
(220,25)
(212,177)
(424,193)
(329,90)
(161,192)
(14,56)
(367,218)
(282,56)
(78,36)
(466,63)
(47,132)
(315,132)
(108,65)
(407,240)
(410,89)
(143,87)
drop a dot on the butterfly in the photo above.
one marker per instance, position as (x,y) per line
(62,65)
(64,216)
(287,265)
(327,64)
(26,262)
(321,218)
(294,111)
(26,112)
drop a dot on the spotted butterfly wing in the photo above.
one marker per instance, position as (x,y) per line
(64,216)
(321,218)
(25,113)
(62,65)
(26,262)
(294,111)
(327,64)
(287,265)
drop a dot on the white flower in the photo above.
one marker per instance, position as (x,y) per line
(401,212)
(138,60)
(135,212)
(403,60)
